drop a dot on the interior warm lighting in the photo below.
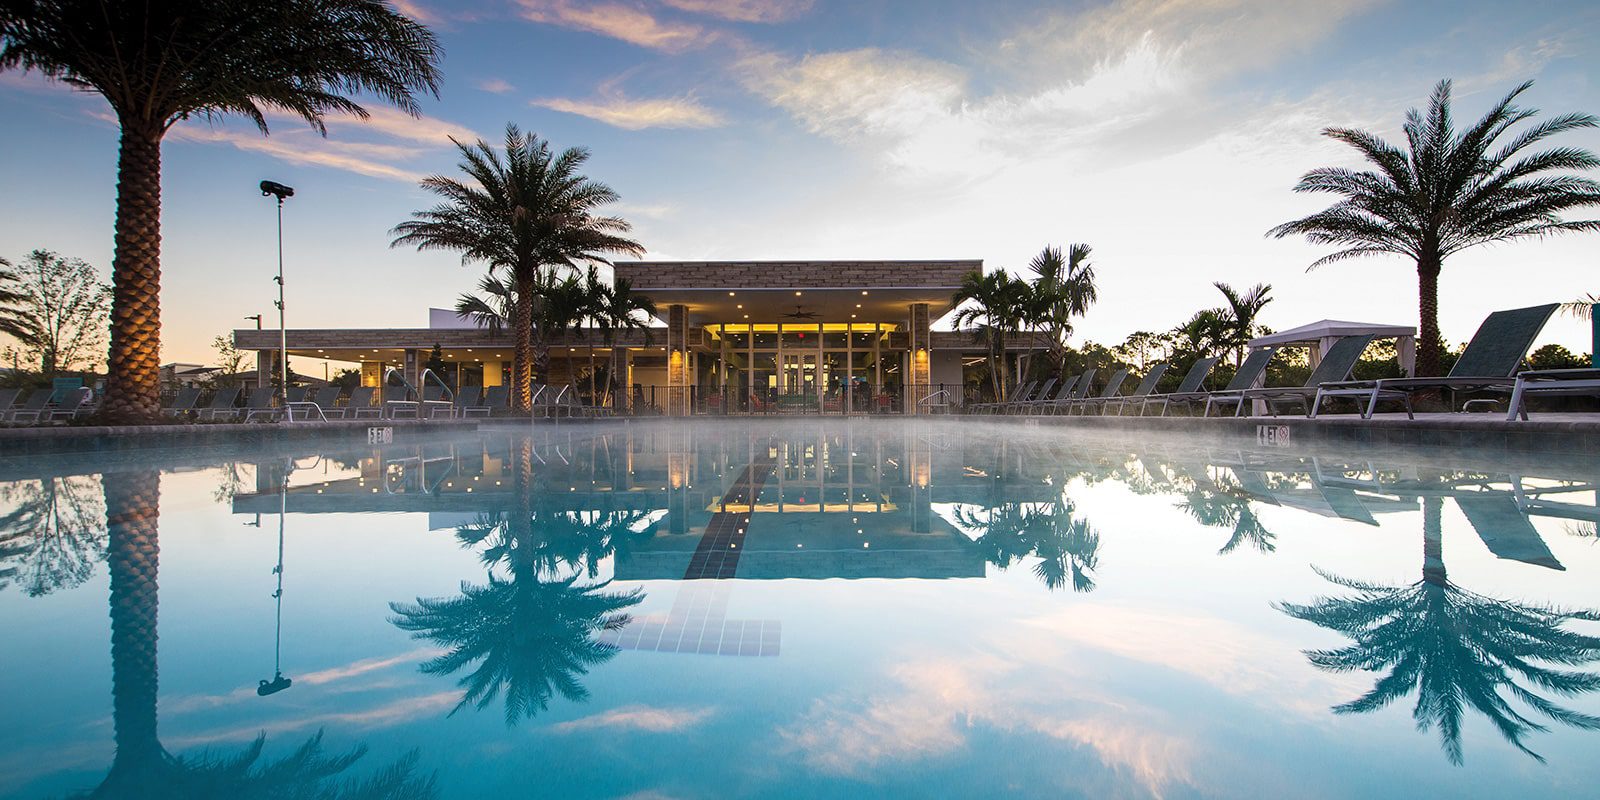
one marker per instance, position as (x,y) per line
(797,294)
(863,291)
(730,294)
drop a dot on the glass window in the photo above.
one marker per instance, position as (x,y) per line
(799,337)
(737,336)
(862,339)
(766,338)
(835,340)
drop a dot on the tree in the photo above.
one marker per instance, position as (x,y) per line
(1456,649)
(1241,315)
(1205,333)
(1064,289)
(14,321)
(230,359)
(1448,191)
(1583,307)
(1554,356)
(157,64)
(436,361)
(65,306)
(992,306)
(530,216)
(53,534)
(619,308)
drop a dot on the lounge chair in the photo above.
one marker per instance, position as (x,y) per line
(494,399)
(222,404)
(296,394)
(74,403)
(396,401)
(262,403)
(1022,390)
(1551,383)
(1335,366)
(1039,393)
(466,399)
(184,403)
(1043,401)
(360,403)
(8,398)
(1085,382)
(1487,365)
(1188,388)
(1140,392)
(434,402)
(1112,387)
(1254,366)
(38,401)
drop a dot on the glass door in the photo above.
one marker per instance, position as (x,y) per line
(800,380)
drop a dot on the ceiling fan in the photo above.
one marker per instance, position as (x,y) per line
(800,313)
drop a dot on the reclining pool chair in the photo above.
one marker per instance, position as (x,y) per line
(185,402)
(1020,403)
(36,404)
(1140,392)
(222,404)
(1189,387)
(1080,390)
(1111,389)
(1042,402)
(1254,366)
(1334,366)
(1487,365)
(994,406)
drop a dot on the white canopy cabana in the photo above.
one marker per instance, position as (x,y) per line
(1321,335)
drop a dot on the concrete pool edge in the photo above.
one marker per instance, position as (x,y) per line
(118,438)
(1480,432)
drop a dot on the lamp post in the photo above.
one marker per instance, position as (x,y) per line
(278,190)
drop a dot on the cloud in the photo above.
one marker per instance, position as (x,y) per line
(764,11)
(312,150)
(638,718)
(496,86)
(417,11)
(382,716)
(401,140)
(633,115)
(627,22)
(859,93)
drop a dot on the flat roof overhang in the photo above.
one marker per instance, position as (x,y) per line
(735,306)
(765,291)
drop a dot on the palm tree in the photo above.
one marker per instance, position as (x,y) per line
(13,320)
(1207,332)
(159,63)
(1449,190)
(1064,289)
(533,633)
(1456,649)
(1241,315)
(992,306)
(1583,307)
(141,766)
(619,308)
(1216,502)
(531,215)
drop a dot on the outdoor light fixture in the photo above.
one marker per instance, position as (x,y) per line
(278,190)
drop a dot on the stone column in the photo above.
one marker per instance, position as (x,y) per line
(264,368)
(918,368)
(678,375)
(621,386)
(411,368)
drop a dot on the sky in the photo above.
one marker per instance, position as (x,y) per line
(1166,134)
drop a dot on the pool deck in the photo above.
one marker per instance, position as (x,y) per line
(1574,433)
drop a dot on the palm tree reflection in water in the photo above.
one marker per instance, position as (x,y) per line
(1457,649)
(1067,546)
(142,767)
(533,632)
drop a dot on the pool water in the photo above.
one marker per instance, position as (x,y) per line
(823,608)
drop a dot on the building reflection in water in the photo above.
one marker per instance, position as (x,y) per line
(809,503)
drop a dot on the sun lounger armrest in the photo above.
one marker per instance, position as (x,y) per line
(1581,373)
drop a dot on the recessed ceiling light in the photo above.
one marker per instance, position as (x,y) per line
(739,305)
(730,294)
(797,294)
(863,291)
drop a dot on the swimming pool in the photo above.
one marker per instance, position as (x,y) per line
(817,608)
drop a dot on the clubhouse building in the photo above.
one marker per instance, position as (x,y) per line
(739,337)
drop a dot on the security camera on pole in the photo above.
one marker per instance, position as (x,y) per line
(278,190)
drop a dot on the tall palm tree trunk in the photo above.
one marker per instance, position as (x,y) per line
(1432,542)
(133,379)
(133,503)
(522,364)
(1428,341)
